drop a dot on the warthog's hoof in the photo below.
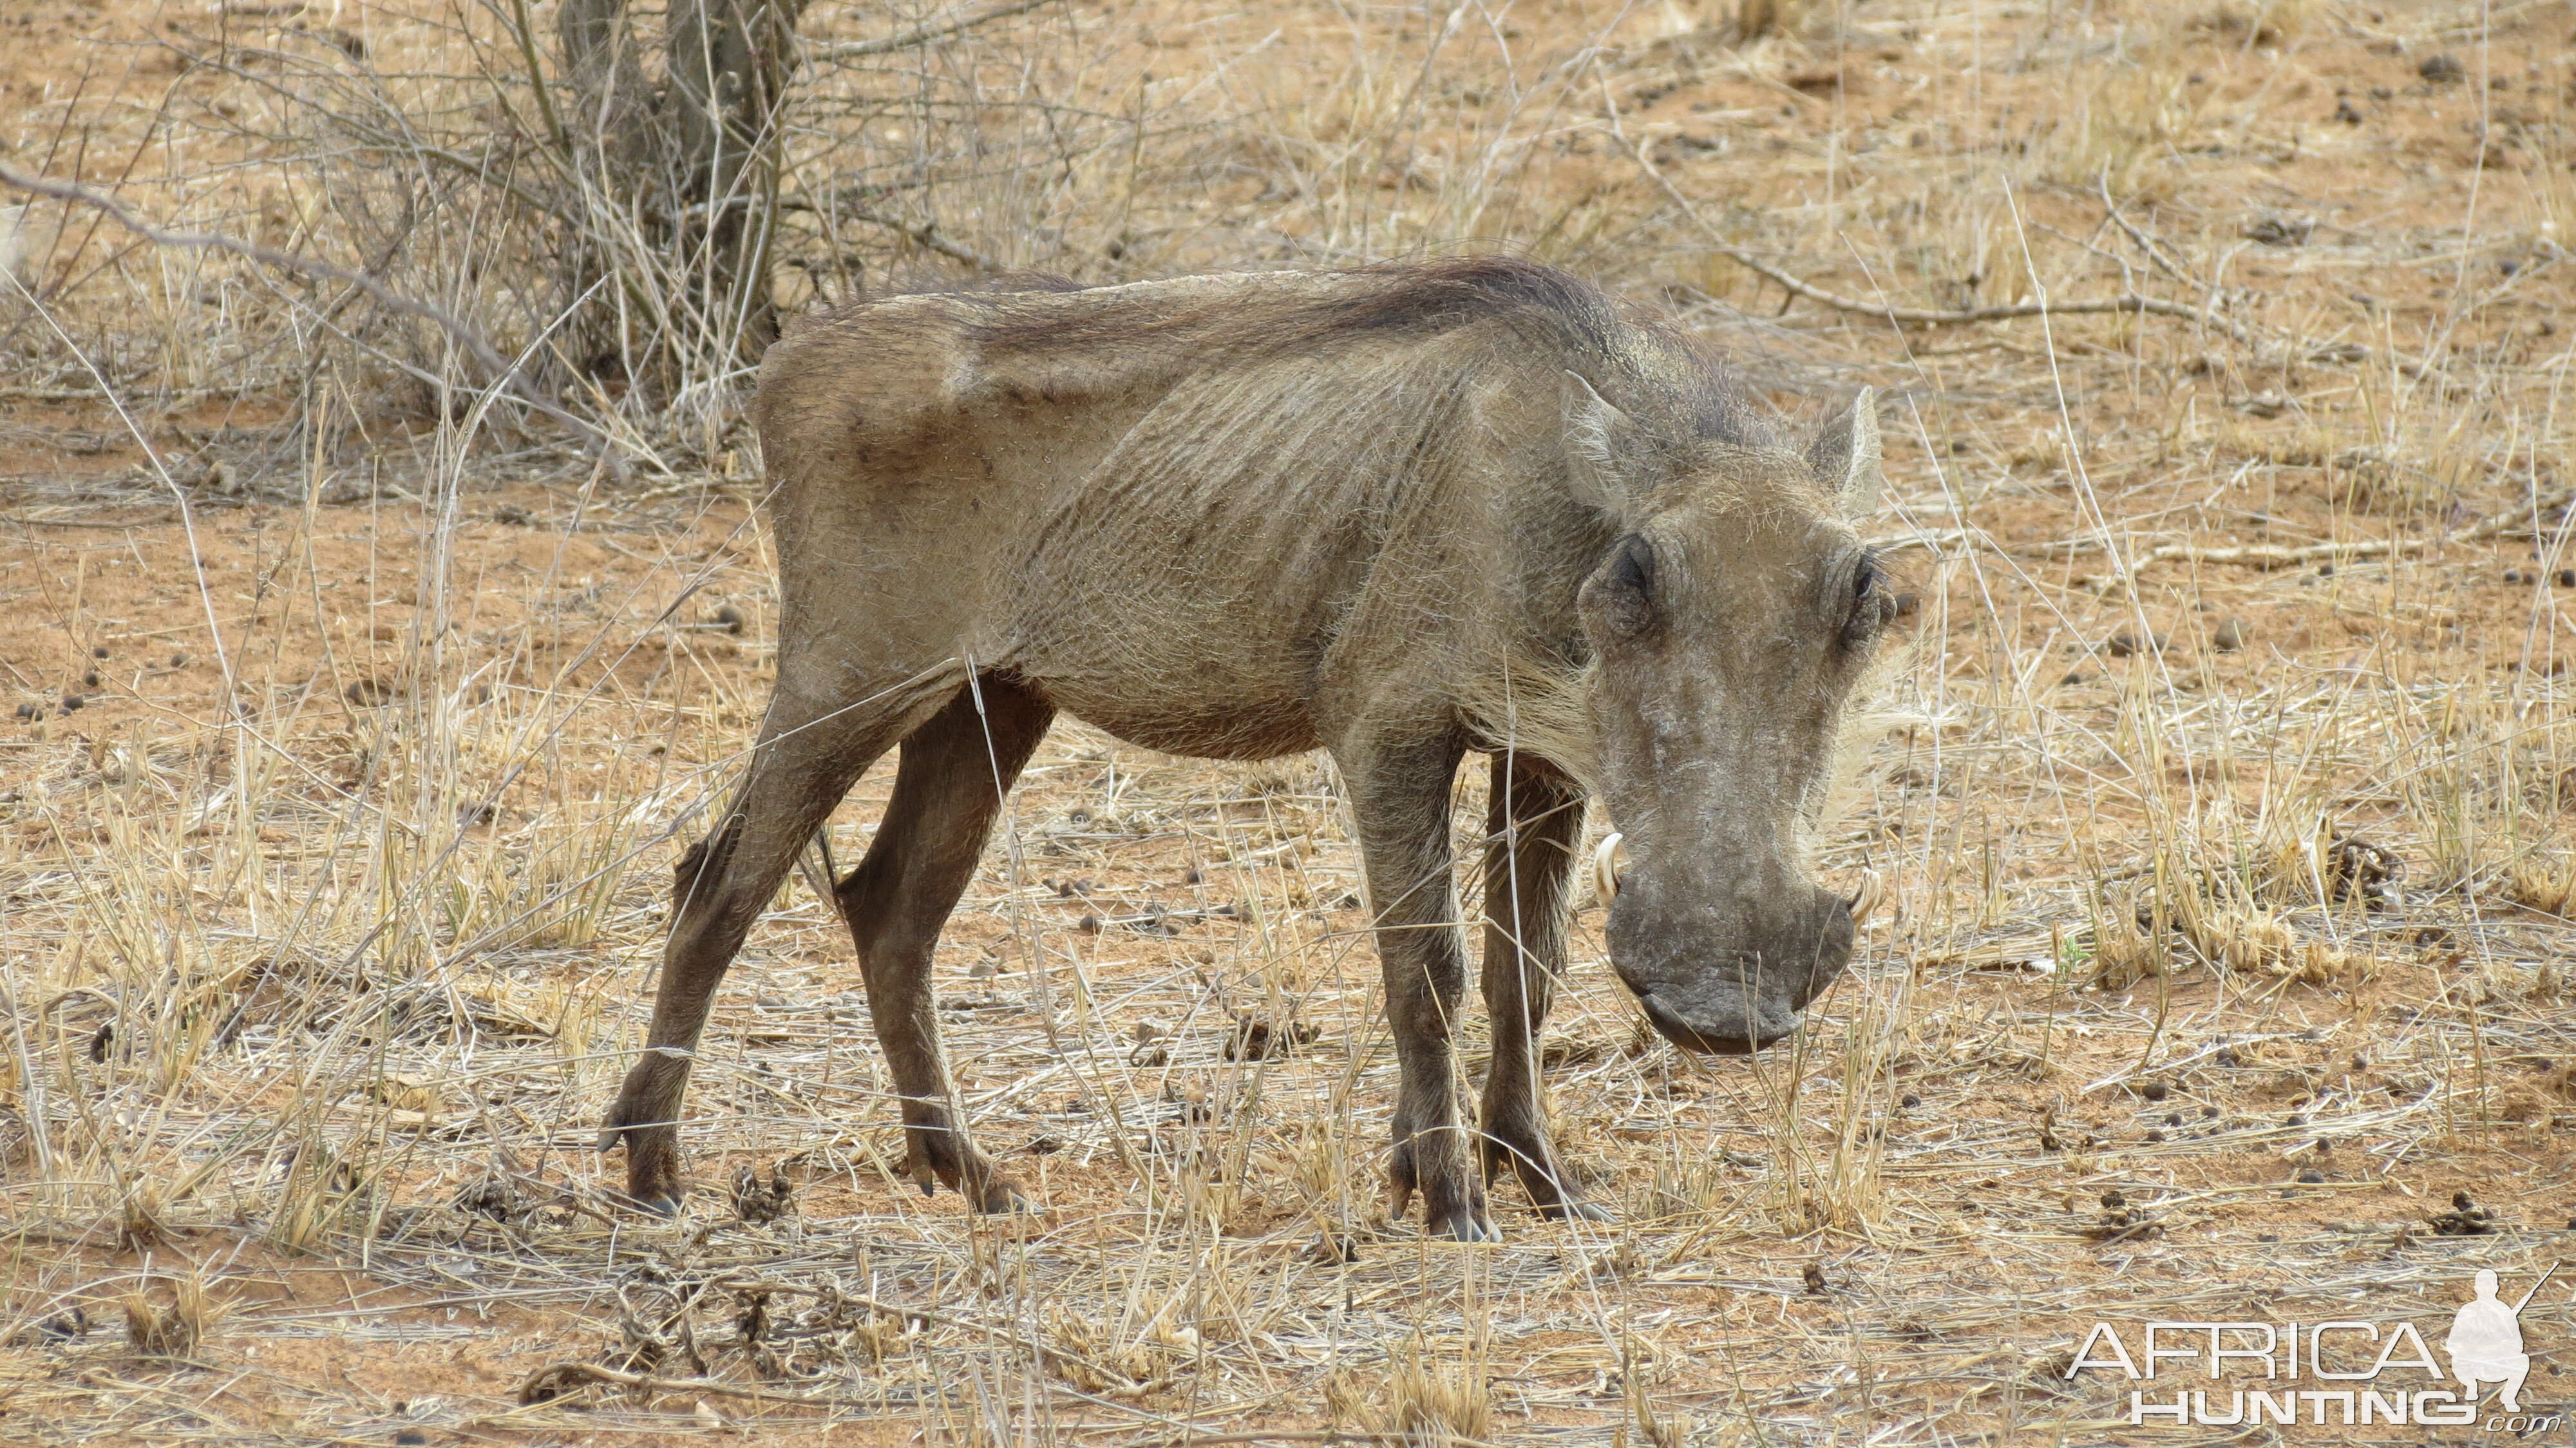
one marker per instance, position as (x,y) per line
(1464,1225)
(1573,1211)
(1006,1200)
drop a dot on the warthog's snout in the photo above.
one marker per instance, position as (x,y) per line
(1731,980)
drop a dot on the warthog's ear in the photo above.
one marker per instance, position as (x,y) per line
(1597,437)
(1845,456)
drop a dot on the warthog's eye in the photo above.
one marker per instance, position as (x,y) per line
(1871,604)
(1625,591)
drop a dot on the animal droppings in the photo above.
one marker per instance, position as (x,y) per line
(2465,1218)
(98,652)
(2154,1090)
(1911,1101)
(1256,1039)
(757,1202)
(2443,69)
(369,694)
(2312,1177)
(727,617)
(2355,866)
(2229,637)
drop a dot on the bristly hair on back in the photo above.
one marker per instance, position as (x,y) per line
(1667,379)
(1665,374)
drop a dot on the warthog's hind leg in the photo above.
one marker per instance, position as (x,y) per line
(808,757)
(948,790)
(1400,801)
(1534,828)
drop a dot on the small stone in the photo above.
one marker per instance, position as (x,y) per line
(2230,636)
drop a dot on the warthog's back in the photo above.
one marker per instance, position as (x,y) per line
(1174,506)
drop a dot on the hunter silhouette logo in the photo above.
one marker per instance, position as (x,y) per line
(2361,1372)
(2486,1342)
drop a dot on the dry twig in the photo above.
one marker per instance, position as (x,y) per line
(1927,316)
(923,35)
(485,356)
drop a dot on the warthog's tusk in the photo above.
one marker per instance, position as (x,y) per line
(1609,862)
(1866,900)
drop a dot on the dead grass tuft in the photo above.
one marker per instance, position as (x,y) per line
(170,1317)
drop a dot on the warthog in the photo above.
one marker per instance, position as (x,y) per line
(1400,514)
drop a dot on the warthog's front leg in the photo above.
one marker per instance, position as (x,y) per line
(948,790)
(1400,800)
(1534,826)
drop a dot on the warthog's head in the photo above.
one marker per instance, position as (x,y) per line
(1730,624)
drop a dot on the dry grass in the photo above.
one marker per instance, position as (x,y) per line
(326,922)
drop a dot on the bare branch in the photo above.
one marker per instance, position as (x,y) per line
(2274,555)
(1925,316)
(856,49)
(485,356)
